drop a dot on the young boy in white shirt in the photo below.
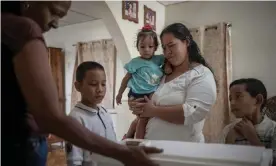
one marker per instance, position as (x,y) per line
(91,83)
(252,127)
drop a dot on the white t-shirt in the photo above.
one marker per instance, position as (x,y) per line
(196,91)
(97,121)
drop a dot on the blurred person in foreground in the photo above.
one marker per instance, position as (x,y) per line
(30,103)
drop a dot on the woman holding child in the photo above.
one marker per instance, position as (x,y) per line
(179,106)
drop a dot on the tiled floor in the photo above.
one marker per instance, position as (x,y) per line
(56,158)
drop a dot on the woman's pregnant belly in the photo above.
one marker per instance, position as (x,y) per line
(158,129)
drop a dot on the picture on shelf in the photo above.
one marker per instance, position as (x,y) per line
(130,11)
(149,17)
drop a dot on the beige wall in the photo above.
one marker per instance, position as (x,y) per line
(253,33)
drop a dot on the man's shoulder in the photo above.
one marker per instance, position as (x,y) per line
(9,21)
(17,31)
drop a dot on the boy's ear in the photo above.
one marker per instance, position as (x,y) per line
(259,99)
(77,85)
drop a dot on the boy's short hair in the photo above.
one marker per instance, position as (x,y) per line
(253,87)
(86,66)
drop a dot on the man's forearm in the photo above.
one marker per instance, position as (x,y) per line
(67,127)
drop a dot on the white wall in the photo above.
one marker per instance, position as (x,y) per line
(253,33)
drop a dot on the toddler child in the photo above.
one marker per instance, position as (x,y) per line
(144,73)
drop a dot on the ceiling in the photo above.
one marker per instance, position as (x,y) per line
(75,17)
(166,3)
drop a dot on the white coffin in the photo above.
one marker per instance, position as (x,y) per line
(200,154)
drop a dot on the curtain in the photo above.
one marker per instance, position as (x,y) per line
(196,33)
(229,63)
(103,52)
(215,44)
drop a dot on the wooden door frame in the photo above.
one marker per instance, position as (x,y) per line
(63,74)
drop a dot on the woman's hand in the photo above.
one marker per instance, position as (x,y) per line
(149,108)
(136,105)
(143,107)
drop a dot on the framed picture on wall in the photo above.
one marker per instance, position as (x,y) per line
(149,17)
(130,11)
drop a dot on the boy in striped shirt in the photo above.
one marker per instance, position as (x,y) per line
(252,127)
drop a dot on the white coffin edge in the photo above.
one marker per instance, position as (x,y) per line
(200,154)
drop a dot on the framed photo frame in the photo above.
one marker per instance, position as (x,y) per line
(130,11)
(150,17)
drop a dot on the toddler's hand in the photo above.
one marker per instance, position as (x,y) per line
(119,99)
